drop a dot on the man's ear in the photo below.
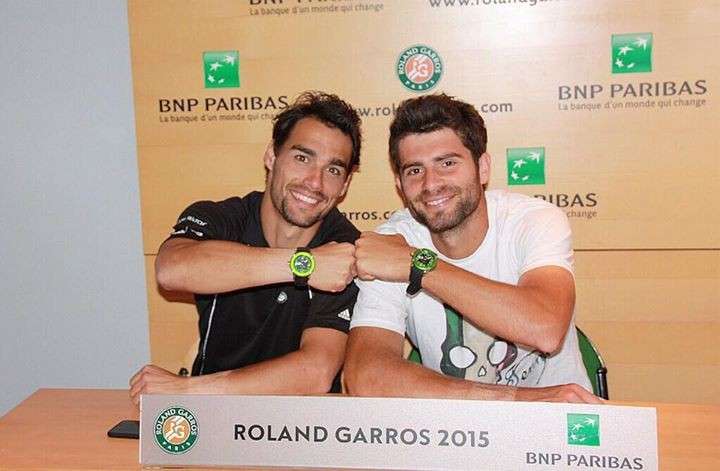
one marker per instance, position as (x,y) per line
(484,165)
(269,156)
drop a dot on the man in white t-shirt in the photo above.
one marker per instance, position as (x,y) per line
(481,282)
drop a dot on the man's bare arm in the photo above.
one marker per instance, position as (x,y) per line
(308,370)
(375,367)
(536,312)
(217,266)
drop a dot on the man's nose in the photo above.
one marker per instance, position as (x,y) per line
(431,180)
(313,178)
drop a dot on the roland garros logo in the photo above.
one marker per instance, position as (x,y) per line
(176,430)
(419,68)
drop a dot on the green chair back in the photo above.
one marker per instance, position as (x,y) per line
(596,369)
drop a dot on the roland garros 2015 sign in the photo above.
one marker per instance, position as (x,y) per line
(176,430)
(419,68)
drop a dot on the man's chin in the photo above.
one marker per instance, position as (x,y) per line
(302,219)
(437,223)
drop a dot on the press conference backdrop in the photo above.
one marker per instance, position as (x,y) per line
(606,108)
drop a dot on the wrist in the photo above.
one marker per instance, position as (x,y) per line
(422,262)
(302,265)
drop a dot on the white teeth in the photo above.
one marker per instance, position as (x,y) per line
(437,202)
(304,198)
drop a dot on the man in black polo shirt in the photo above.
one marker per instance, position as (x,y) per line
(271,272)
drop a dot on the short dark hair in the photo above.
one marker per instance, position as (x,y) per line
(429,113)
(328,109)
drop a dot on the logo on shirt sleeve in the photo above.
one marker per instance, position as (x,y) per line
(345,315)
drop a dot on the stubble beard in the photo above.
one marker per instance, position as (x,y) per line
(446,222)
(280,196)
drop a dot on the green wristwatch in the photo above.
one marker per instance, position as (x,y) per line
(423,261)
(302,264)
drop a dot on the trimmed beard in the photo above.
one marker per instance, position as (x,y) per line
(280,202)
(441,224)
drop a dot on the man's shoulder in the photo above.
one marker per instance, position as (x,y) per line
(231,205)
(221,220)
(515,208)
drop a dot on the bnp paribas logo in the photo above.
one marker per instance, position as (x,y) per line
(526,166)
(419,68)
(583,429)
(632,53)
(222,69)
(176,430)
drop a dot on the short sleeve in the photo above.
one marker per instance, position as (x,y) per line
(204,220)
(332,310)
(545,239)
(381,304)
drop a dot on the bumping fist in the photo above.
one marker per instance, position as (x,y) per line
(382,257)
(334,266)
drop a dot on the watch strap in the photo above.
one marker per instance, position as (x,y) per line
(415,284)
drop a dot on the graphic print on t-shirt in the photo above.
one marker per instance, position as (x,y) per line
(471,354)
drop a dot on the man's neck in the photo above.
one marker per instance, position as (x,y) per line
(463,240)
(278,232)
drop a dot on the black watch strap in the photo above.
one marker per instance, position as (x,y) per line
(415,284)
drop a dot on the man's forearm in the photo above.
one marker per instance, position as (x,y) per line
(521,314)
(216,266)
(401,378)
(290,374)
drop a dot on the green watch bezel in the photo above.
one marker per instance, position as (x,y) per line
(300,271)
(424,260)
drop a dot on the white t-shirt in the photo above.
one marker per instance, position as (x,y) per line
(523,233)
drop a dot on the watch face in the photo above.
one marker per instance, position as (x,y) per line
(424,259)
(302,264)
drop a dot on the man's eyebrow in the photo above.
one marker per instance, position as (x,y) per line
(434,159)
(407,165)
(445,156)
(339,162)
(304,150)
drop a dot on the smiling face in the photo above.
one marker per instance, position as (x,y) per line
(309,174)
(439,179)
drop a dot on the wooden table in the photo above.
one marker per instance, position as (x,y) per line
(65,429)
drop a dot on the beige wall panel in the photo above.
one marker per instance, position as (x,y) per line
(173,325)
(172,177)
(648,184)
(652,171)
(663,383)
(672,343)
(652,286)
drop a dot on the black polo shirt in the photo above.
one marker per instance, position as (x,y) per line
(247,326)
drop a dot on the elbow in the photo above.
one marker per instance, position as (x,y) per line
(169,276)
(321,377)
(324,379)
(551,341)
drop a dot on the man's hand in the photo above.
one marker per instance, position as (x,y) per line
(152,379)
(563,393)
(334,266)
(382,257)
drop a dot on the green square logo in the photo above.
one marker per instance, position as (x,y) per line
(221,69)
(632,53)
(583,429)
(526,166)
